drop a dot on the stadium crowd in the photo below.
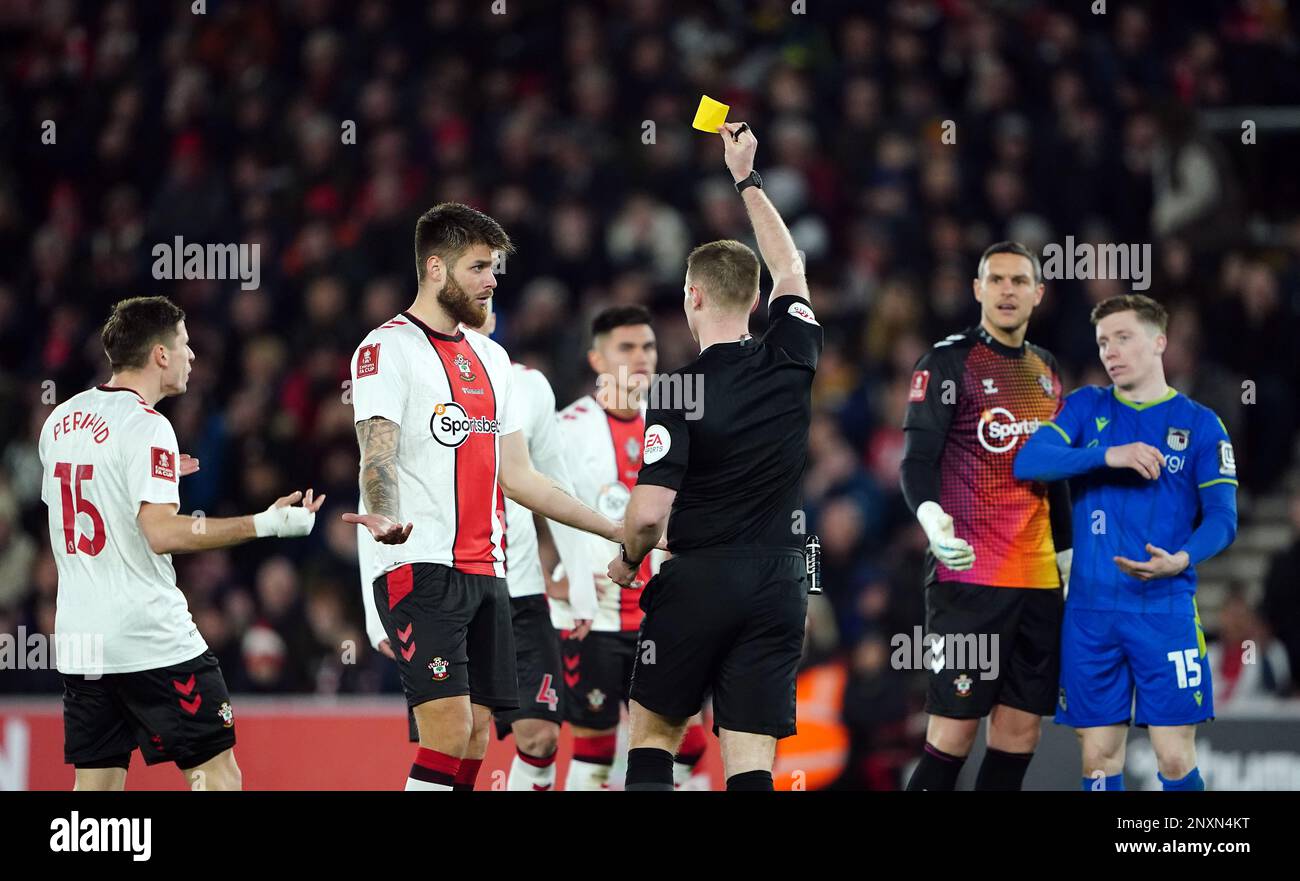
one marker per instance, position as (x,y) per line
(897,139)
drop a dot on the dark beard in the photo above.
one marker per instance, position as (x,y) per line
(461,306)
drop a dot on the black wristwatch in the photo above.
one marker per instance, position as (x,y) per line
(622,550)
(754,180)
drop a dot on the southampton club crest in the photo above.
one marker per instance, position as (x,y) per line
(1178,439)
(1046,382)
(963,684)
(595,700)
(227,714)
(439,668)
(633,449)
(462,364)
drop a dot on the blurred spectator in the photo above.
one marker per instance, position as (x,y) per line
(1281,605)
(876,712)
(1249,667)
(17,552)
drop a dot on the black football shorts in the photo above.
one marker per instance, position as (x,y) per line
(729,619)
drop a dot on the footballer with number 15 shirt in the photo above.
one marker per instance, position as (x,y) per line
(110,470)
(999,547)
(1156,470)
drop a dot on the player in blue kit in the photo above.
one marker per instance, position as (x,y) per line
(1144,461)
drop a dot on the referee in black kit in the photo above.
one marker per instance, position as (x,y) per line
(727,611)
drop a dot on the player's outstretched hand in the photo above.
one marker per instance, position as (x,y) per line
(1161,565)
(384,530)
(738,152)
(386,649)
(1142,458)
(189,464)
(286,518)
(312,505)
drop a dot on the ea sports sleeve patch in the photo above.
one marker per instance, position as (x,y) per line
(658,441)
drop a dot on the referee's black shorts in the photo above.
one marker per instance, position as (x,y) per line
(728,619)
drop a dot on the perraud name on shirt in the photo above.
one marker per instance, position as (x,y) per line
(79,420)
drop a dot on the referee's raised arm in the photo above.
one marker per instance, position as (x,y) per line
(774,242)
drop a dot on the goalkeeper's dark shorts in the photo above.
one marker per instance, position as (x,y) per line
(1001,645)
(728,619)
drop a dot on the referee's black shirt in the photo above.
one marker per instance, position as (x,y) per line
(737,468)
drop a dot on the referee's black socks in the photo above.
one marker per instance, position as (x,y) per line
(1002,772)
(750,781)
(649,770)
(936,772)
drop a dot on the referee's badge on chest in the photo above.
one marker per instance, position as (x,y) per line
(1178,439)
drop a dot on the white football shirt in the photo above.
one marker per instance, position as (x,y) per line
(523,565)
(452,397)
(103,453)
(546,449)
(604,459)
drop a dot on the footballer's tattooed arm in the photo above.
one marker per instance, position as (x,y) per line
(377,438)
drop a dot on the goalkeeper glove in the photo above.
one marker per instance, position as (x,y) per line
(948,549)
(1064,559)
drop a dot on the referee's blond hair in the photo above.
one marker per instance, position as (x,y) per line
(727,271)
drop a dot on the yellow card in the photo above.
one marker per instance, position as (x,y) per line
(710,115)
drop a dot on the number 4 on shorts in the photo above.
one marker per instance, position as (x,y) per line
(546,694)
